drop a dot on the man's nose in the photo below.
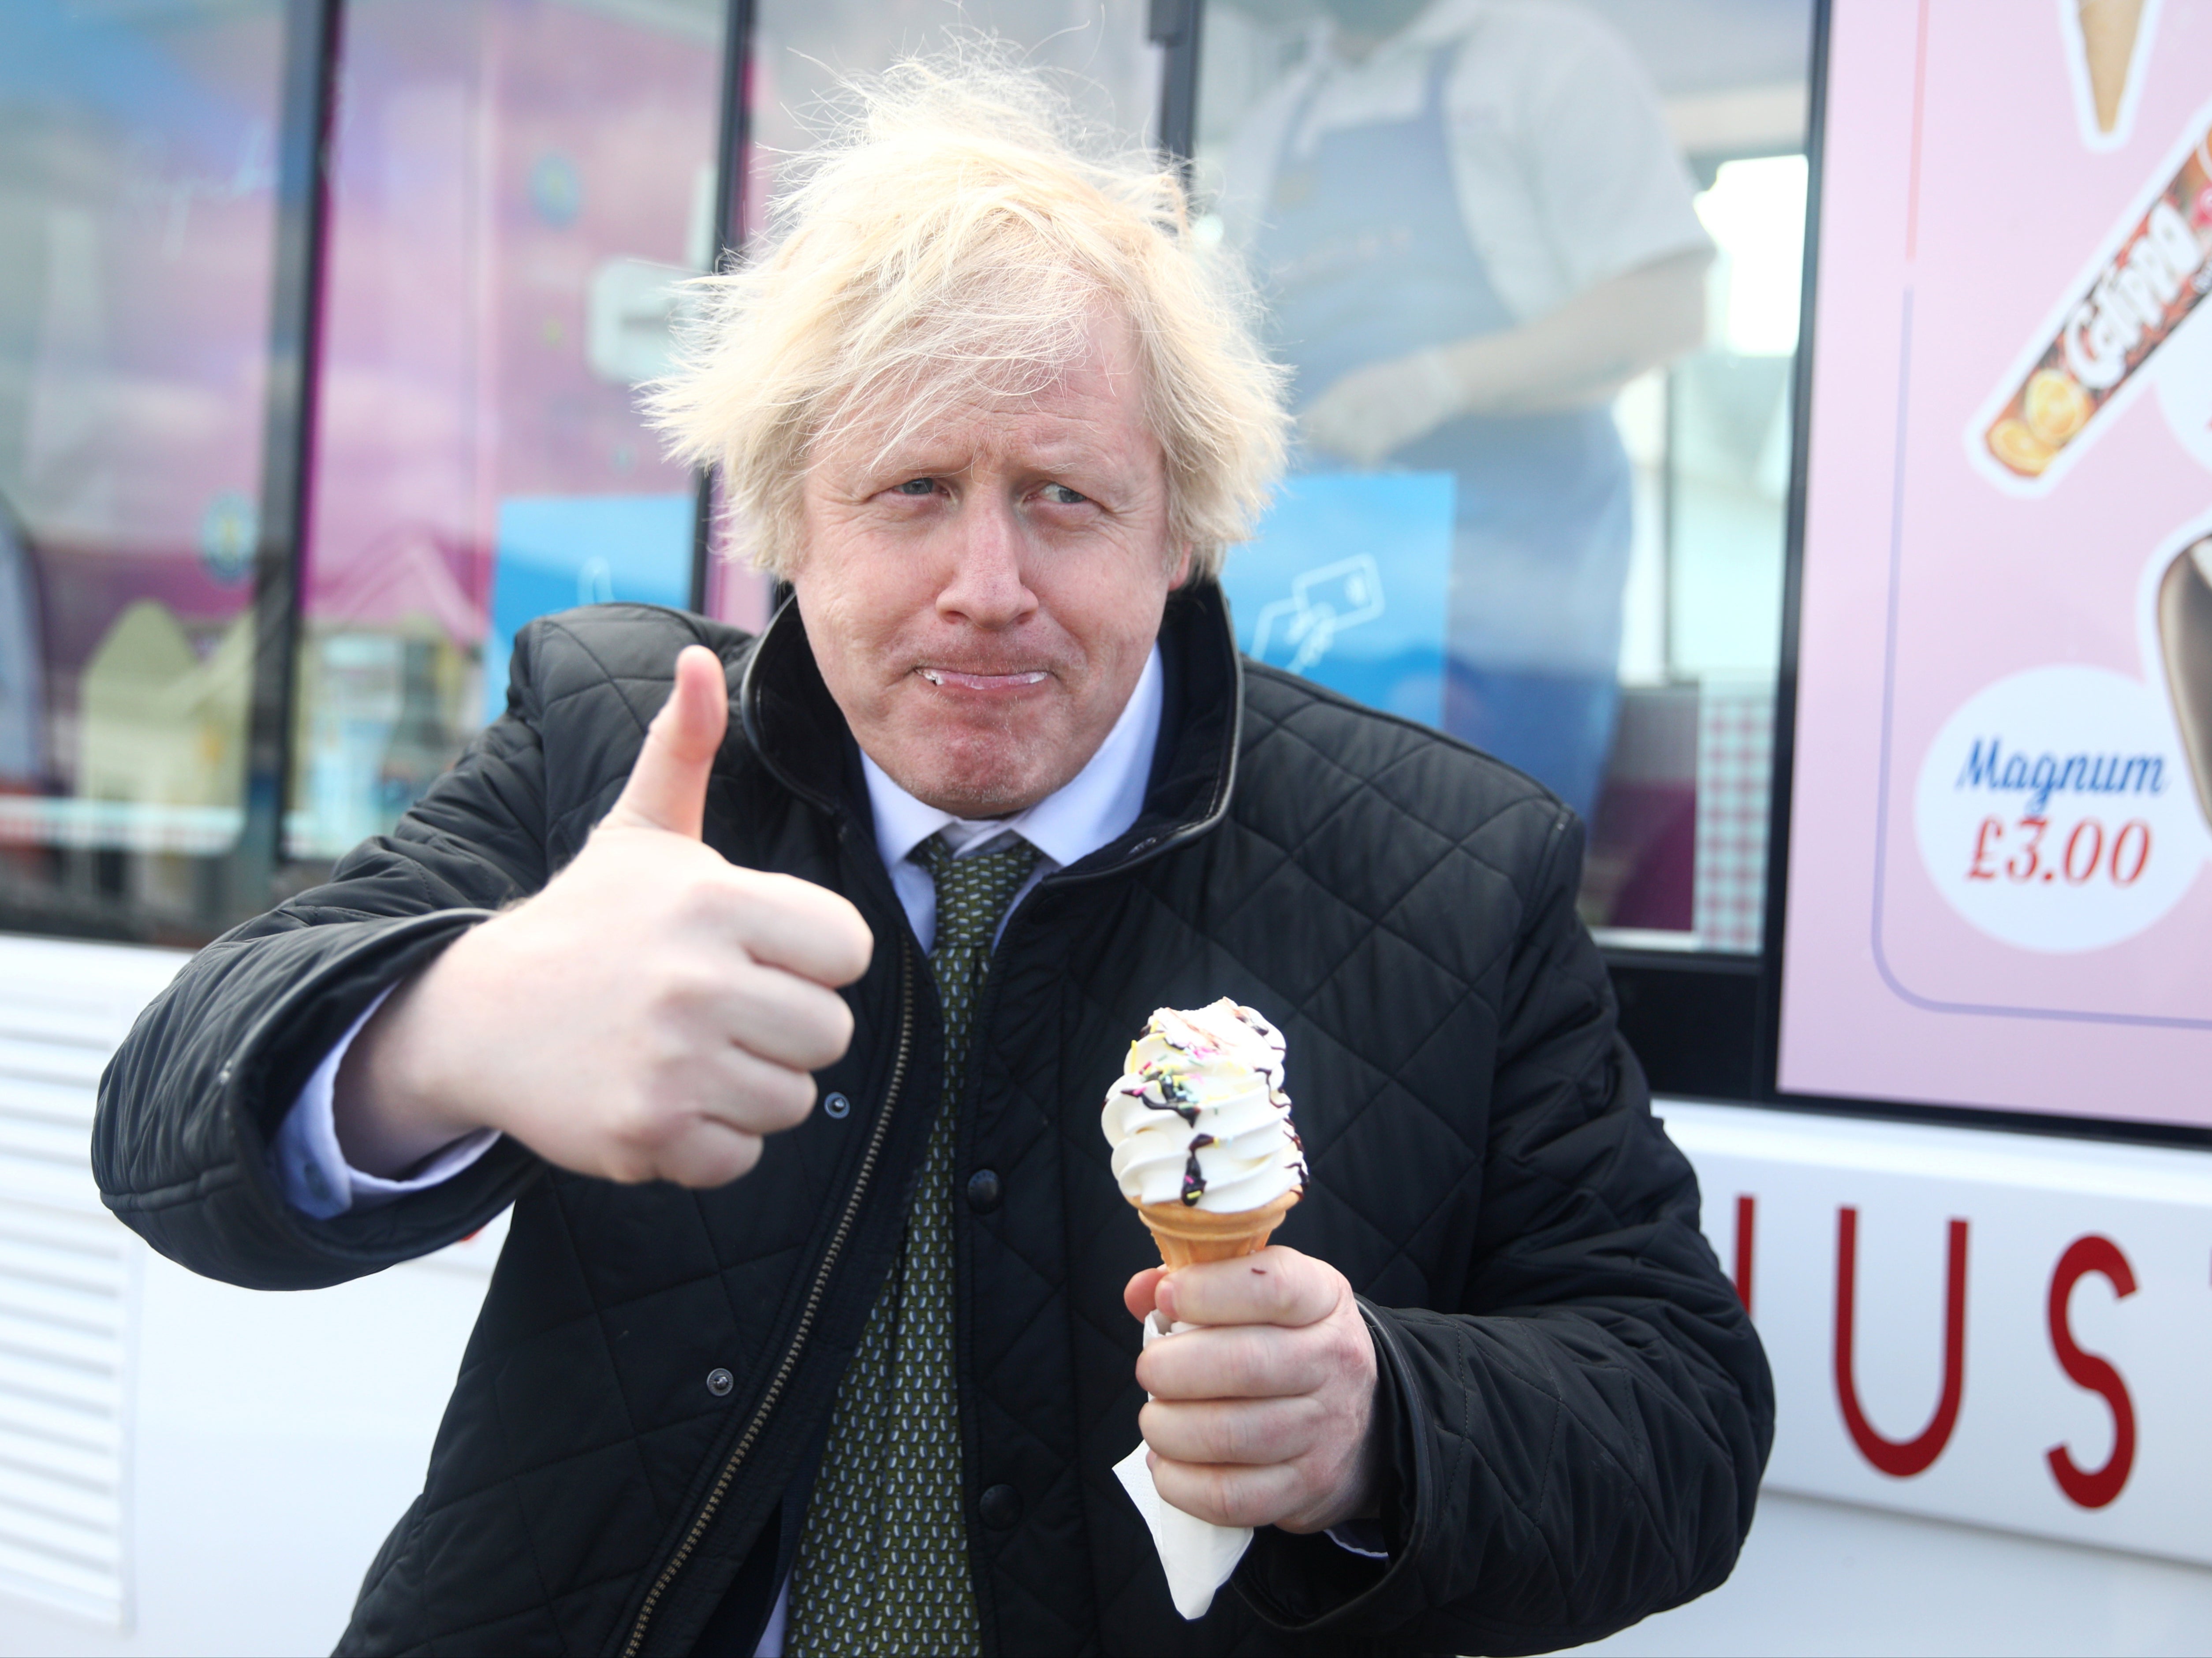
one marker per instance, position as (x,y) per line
(986,585)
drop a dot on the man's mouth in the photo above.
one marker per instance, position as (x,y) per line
(957,679)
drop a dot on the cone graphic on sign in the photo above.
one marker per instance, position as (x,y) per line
(2109,28)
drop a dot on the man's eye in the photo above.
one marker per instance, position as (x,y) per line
(1060,495)
(915,487)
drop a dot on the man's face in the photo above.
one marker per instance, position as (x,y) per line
(982,596)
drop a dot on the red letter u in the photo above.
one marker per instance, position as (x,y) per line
(2084,1256)
(1900,1458)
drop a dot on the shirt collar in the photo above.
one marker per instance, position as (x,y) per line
(1095,806)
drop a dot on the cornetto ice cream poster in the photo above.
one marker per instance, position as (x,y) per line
(2001,809)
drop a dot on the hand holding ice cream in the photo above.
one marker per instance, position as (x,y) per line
(1262,1417)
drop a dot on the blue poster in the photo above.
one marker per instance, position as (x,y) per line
(556,552)
(1345,584)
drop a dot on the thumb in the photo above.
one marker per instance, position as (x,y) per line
(667,787)
(1142,1293)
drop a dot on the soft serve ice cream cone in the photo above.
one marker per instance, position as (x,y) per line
(1201,1133)
(1203,1145)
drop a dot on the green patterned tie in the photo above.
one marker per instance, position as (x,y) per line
(883,1564)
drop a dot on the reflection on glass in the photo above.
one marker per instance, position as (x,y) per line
(1472,231)
(1479,232)
(1726,445)
(517,186)
(1730,442)
(137,174)
(804,49)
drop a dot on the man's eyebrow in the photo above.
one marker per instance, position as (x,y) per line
(895,464)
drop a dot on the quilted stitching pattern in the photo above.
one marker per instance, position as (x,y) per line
(1581,1412)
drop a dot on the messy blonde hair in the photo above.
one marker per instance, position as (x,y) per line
(956,236)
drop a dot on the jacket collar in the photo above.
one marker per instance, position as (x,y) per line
(797,731)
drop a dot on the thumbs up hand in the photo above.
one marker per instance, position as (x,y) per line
(653,1014)
(667,787)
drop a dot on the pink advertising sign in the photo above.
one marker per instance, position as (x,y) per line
(2001,810)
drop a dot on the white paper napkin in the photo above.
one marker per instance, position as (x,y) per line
(1196,1554)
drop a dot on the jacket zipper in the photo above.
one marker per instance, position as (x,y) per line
(790,1361)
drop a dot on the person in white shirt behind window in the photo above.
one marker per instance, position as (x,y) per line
(1471,230)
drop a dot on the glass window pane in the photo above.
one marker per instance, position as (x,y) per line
(137,147)
(517,184)
(1534,268)
(1099,54)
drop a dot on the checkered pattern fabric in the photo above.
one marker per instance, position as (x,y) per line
(883,1566)
(1735,764)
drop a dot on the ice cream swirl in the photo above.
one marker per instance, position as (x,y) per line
(1199,1116)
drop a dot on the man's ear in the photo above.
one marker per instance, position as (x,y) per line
(1181,572)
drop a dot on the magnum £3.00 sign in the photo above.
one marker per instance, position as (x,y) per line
(2001,807)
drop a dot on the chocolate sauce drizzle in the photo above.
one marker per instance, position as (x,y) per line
(1173,1096)
(1193,1182)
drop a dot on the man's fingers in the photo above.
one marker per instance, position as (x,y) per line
(756,1096)
(709,1155)
(1230,1496)
(717,1135)
(1250,1432)
(667,787)
(785,922)
(1250,1361)
(788,1020)
(1140,1293)
(1276,1286)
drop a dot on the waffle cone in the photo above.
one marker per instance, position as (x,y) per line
(1187,1235)
(2108,43)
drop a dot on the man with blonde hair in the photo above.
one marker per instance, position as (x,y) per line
(775,981)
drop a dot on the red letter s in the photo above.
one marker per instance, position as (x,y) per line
(2084,1256)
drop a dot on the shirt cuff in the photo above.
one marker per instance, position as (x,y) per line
(1361,1537)
(312,1172)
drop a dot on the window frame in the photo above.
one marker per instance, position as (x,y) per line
(313,43)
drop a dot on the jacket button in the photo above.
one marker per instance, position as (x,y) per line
(1000,1506)
(720,1381)
(838,1106)
(984,1191)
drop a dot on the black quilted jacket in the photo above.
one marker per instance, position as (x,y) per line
(1576,1409)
